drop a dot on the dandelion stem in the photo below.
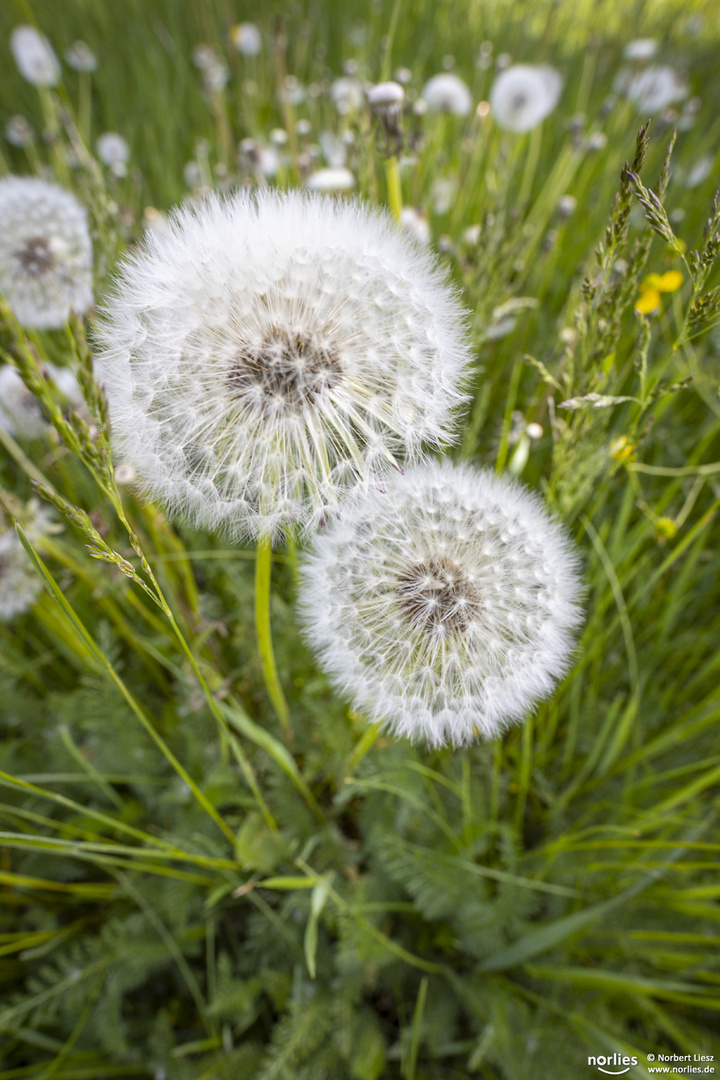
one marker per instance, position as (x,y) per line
(264,635)
(394,189)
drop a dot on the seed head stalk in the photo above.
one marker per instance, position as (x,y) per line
(394,188)
(263,567)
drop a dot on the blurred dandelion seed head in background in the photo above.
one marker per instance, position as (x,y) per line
(20,585)
(45,252)
(447,93)
(266,353)
(523,95)
(246,38)
(444,605)
(20,411)
(34,56)
(653,89)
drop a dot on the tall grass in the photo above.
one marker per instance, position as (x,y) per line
(183,895)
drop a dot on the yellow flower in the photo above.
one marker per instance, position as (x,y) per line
(665,529)
(651,288)
(649,300)
(622,449)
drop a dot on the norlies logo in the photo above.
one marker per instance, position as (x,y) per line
(619,1063)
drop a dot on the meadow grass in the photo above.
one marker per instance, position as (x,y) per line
(188,893)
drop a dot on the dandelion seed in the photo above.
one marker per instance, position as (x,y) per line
(34,56)
(699,172)
(596,142)
(45,252)
(448,93)
(267,353)
(20,411)
(641,49)
(80,57)
(246,38)
(567,205)
(20,585)
(18,131)
(112,149)
(347,95)
(524,95)
(415,224)
(653,89)
(330,180)
(444,607)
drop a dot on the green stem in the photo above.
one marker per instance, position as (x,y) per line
(264,636)
(237,750)
(394,188)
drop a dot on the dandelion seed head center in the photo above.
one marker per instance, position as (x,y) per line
(292,366)
(519,100)
(35,257)
(437,595)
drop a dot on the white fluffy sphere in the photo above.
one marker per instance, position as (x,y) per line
(266,353)
(653,89)
(45,252)
(447,93)
(523,95)
(34,56)
(443,606)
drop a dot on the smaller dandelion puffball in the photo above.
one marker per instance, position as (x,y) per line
(20,411)
(653,89)
(34,56)
(523,95)
(45,252)
(447,93)
(266,353)
(443,606)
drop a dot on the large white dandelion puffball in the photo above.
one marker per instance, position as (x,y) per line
(523,95)
(45,253)
(445,605)
(266,353)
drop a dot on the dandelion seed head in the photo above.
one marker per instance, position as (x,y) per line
(45,252)
(113,149)
(523,95)
(640,49)
(18,131)
(246,38)
(448,93)
(34,56)
(268,352)
(444,606)
(347,94)
(653,89)
(80,57)
(20,585)
(331,180)
(20,412)
(415,224)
